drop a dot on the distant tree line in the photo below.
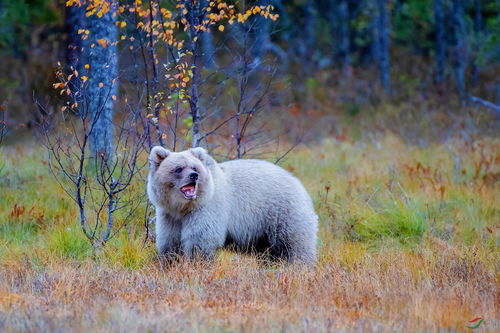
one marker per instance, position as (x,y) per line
(458,39)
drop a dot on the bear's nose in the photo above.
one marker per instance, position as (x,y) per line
(193,176)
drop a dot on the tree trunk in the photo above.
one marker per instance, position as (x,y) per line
(193,15)
(330,12)
(383,30)
(440,45)
(262,38)
(345,34)
(155,77)
(102,84)
(207,44)
(497,88)
(309,33)
(263,42)
(74,20)
(478,35)
(208,49)
(374,32)
(460,47)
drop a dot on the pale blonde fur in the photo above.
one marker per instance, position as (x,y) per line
(252,204)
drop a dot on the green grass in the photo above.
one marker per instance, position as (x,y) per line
(402,220)
(402,239)
(69,243)
(128,252)
(16,235)
(362,193)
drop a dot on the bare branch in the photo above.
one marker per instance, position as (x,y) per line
(485,103)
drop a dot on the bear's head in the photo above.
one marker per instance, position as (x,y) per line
(180,181)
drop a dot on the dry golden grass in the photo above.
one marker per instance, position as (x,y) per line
(409,242)
(439,287)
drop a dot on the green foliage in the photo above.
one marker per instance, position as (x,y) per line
(128,252)
(490,50)
(413,25)
(400,219)
(351,109)
(8,86)
(311,83)
(17,18)
(69,242)
(188,122)
(16,233)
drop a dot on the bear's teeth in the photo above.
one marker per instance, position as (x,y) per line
(188,190)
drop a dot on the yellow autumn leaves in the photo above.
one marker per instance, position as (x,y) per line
(154,25)
(65,87)
(162,22)
(102,42)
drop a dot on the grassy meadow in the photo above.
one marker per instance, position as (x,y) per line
(409,241)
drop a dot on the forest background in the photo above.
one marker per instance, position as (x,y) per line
(387,110)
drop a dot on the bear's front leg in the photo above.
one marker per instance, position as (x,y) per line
(201,236)
(168,234)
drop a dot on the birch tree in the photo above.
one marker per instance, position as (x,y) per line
(440,45)
(460,51)
(383,22)
(103,73)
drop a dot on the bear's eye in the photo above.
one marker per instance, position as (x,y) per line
(195,170)
(178,170)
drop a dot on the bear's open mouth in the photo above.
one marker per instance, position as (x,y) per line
(189,190)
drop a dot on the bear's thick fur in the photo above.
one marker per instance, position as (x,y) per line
(202,205)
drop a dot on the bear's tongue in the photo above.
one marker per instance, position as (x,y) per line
(188,190)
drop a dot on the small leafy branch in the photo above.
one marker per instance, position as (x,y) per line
(166,38)
(98,183)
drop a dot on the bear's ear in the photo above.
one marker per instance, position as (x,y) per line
(198,152)
(202,155)
(157,155)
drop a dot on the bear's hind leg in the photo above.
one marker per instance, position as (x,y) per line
(294,239)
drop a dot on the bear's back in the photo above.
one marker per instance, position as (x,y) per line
(258,193)
(262,180)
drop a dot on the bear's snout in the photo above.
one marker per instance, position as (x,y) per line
(193,176)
